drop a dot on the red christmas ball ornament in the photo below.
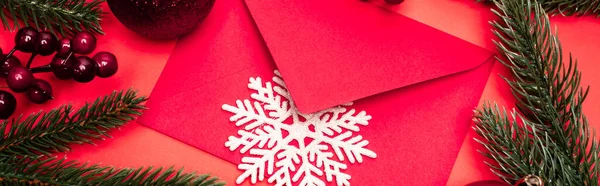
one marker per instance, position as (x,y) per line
(394,2)
(160,19)
(488,183)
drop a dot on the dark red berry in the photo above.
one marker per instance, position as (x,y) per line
(8,104)
(40,93)
(83,43)
(19,79)
(84,69)
(62,69)
(12,61)
(64,47)
(394,2)
(45,43)
(25,39)
(106,64)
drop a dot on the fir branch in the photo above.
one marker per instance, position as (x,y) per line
(62,17)
(52,171)
(553,139)
(45,133)
(568,7)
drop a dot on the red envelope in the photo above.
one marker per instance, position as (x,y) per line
(419,112)
(326,48)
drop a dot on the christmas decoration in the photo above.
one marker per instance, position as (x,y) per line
(20,79)
(8,104)
(567,7)
(26,146)
(488,183)
(8,63)
(548,135)
(394,2)
(106,63)
(41,92)
(83,43)
(279,138)
(161,19)
(62,17)
(530,180)
(84,69)
(64,47)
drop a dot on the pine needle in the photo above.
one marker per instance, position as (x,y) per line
(568,7)
(61,17)
(551,137)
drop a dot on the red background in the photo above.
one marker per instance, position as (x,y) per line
(141,62)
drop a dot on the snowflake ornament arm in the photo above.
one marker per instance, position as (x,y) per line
(330,122)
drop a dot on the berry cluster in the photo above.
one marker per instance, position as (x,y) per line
(65,65)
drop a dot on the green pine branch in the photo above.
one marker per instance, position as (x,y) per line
(568,7)
(62,17)
(55,130)
(26,145)
(549,136)
(52,171)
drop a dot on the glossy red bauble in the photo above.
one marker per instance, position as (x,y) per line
(160,19)
(394,2)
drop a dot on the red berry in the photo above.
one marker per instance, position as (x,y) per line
(64,47)
(62,68)
(83,43)
(84,69)
(25,39)
(40,93)
(8,104)
(106,64)
(19,79)
(12,61)
(45,43)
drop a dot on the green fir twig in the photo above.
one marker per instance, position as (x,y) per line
(549,136)
(55,130)
(53,171)
(568,7)
(26,146)
(62,17)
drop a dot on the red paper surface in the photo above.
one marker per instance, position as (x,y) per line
(143,60)
(335,51)
(416,131)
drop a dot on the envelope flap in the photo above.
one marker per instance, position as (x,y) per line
(336,51)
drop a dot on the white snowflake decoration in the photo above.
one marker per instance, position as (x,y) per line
(287,158)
